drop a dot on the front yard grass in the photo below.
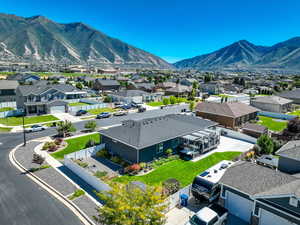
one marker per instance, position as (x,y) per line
(5,129)
(183,171)
(76,144)
(5,109)
(155,104)
(16,121)
(272,124)
(100,110)
(77,104)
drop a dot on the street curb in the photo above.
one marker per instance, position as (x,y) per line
(68,203)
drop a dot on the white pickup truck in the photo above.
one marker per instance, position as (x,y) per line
(211,215)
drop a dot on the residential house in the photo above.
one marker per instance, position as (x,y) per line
(24,78)
(228,114)
(289,157)
(136,96)
(188,81)
(106,85)
(254,130)
(272,103)
(212,88)
(147,139)
(260,195)
(148,87)
(293,95)
(8,90)
(45,99)
(179,91)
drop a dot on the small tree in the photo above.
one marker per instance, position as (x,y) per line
(166,101)
(294,125)
(90,125)
(169,151)
(79,85)
(172,100)
(266,144)
(107,99)
(65,127)
(192,105)
(131,206)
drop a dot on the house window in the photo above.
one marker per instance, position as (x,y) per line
(175,142)
(293,202)
(160,148)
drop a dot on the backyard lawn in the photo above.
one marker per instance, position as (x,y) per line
(76,144)
(295,113)
(16,121)
(272,123)
(183,171)
(4,109)
(100,110)
(77,104)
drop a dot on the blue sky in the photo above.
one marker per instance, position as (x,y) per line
(174,29)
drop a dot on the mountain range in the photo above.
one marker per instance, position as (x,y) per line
(245,55)
(38,39)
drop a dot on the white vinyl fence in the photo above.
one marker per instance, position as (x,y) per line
(8,104)
(87,107)
(81,172)
(174,199)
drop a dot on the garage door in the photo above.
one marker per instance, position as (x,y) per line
(57,109)
(267,218)
(239,206)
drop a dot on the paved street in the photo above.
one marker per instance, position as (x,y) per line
(23,202)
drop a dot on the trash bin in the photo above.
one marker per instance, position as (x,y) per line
(184,199)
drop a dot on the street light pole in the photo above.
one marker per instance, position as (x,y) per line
(24,135)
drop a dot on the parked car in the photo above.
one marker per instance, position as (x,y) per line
(81,112)
(126,106)
(211,215)
(120,113)
(103,115)
(35,128)
(136,105)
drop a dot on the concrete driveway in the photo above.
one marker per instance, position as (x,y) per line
(228,145)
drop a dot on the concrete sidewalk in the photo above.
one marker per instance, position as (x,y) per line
(67,116)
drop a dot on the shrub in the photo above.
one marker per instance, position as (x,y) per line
(172,100)
(38,159)
(116,159)
(166,101)
(100,174)
(90,143)
(266,144)
(169,151)
(103,153)
(90,125)
(171,186)
(58,141)
(107,99)
(143,165)
(134,168)
(76,194)
(46,146)
(82,164)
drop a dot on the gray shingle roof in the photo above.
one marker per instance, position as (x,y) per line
(147,132)
(130,93)
(253,179)
(254,127)
(37,89)
(294,94)
(8,84)
(107,82)
(272,100)
(290,150)
(229,109)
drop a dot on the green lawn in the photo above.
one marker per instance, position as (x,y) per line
(295,113)
(154,104)
(224,96)
(4,129)
(183,171)
(97,111)
(76,144)
(272,124)
(4,109)
(77,104)
(16,121)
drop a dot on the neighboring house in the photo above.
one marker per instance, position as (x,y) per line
(289,157)
(148,87)
(254,130)
(136,96)
(45,99)
(24,78)
(179,91)
(106,85)
(165,85)
(8,90)
(212,88)
(228,114)
(188,81)
(293,95)
(261,195)
(232,88)
(272,103)
(145,140)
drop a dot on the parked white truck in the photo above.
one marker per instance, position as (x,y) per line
(211,215)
